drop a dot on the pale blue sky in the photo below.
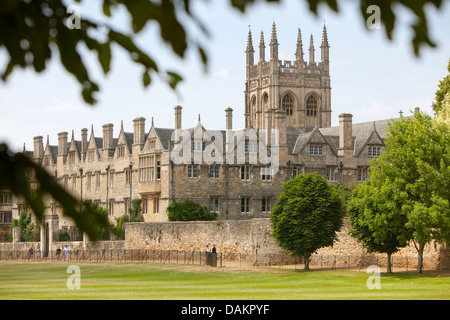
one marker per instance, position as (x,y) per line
(371,77)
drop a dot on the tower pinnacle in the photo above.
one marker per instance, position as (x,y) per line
(250,51)
(274,43)
(299,51)
(262,48)
(311,50)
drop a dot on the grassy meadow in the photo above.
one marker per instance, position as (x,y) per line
(134,281)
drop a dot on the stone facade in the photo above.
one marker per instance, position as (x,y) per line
(288,116)
(253,240)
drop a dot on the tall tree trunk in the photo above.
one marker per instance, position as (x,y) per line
(389,265)
(306,261)
(420,258)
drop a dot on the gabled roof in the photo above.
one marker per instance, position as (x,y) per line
(51,151)
(315,136)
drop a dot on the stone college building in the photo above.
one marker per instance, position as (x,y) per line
(237,174)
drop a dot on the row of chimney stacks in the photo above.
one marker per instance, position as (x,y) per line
(138,139)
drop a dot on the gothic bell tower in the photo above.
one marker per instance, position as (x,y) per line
(301,89)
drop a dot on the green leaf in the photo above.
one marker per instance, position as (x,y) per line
(146,79)
(104,56)
(174,79)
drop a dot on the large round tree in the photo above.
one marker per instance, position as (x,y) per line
(307,216)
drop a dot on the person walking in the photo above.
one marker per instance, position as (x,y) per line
(66,253)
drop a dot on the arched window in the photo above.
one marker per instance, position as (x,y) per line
(287,104)
(265,102)
(311,106)
(253,103)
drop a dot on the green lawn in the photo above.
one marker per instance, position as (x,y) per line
(121,281)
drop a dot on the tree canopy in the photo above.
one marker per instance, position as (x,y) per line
(409,190)
(441,105)
(377,220)
(307,215)
(189,211)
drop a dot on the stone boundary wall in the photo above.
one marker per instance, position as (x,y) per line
(252,239)
(249,240)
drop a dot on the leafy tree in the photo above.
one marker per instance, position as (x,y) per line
(442,98)
(377,220)
(134,215)
(414,171)
(189,211)
(345,192)
(307,215)
(29,232)
(444,113)
(134,211)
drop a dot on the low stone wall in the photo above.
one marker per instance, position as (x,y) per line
(252,239)
(244,240)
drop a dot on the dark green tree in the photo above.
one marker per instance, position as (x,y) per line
(377,220)
(409,188)
(134,211)
(189,211)
(307,216)
(134,215)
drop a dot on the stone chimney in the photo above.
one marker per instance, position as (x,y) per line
(229,118)
(139,131)
(345,134)
(62,143)
(177,123)
(38,147)
(84,143)
(107,140)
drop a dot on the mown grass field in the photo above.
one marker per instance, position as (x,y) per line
(134,281)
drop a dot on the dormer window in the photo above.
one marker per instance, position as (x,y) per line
(315,150)
(91,155)
(46,160)
(198,146)
(152,144)
(72,157)
(251,147)
(120,151)
(374,152)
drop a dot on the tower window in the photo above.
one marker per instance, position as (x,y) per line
(311,106)
(265,102)
(287,104)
